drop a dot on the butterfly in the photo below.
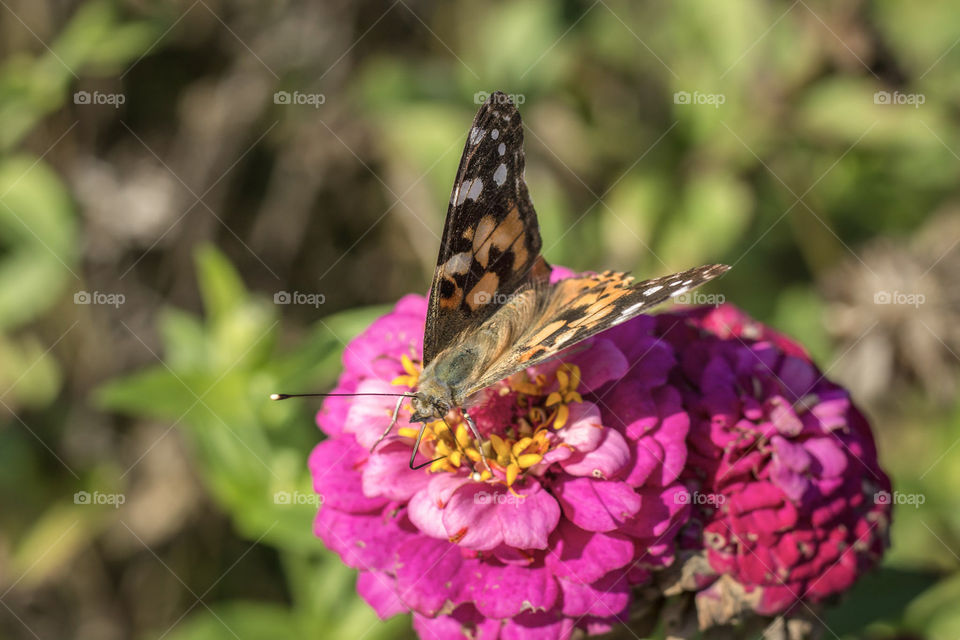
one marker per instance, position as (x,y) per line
(493,311)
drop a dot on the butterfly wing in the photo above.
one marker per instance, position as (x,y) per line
(575,309)
(491,240)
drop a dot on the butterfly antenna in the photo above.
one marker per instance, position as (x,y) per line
(285,396)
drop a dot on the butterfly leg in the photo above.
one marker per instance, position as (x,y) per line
(393,421)
(416,448)
(476,436)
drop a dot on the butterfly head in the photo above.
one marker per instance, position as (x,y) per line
(428,407)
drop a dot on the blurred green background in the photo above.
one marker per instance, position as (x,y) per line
(158,190)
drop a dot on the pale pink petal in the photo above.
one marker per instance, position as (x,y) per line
(608,458)
(379,590)
(596,505)
(481,516)
(387,472)
(426,506)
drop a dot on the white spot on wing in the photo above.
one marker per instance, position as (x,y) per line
(476,134)
(632,308)
(500,175)
(502,149)
(495,134)
(476,187)
(458,263)
(652,290)
(680,291)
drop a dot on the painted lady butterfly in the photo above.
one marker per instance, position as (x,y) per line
(492,309)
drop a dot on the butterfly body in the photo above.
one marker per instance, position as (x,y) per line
(493,310)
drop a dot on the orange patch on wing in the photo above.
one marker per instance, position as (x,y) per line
(453,300)
(482,292)
(547,331)
(502,235)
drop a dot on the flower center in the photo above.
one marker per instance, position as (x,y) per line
(514,445)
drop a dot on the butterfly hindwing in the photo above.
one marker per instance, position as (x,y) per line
(491,239)
(575,309)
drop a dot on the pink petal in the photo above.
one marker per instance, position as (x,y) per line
(481,516)
(537,626)
(504,592)
(388,473)
(596,505)
(607,597)
(430,574)
(605,461)
(369,415)
(584,430)
(585,556)
(426,507)
(333,467)
(378,590)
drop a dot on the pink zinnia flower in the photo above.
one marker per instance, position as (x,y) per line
(586,452)
(589,492)
(782,467)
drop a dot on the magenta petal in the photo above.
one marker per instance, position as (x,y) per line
(596,505)
(430,575)
(586,556)
(584,430)
(369,415)
(605,461)
(380,593)
(506,591)
(426,506)
(537,626)
(335,478)
(363,541)
(388,473)
(481,516)
(607,597)
(599,364)
(455,627)
(648,456)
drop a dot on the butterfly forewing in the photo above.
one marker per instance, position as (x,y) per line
(491,240)
(577,308)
